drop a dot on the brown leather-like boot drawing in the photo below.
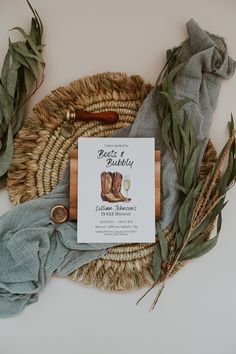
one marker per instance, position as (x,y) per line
(106,185)
(116,187)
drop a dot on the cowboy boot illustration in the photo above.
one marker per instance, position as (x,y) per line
(116,187)
(106,186)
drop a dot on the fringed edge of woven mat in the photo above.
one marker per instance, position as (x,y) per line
(124,268)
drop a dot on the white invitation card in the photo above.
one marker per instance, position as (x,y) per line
(116,190)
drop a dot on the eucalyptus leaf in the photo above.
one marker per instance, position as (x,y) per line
(182,102)
(187,126)
(197,188)
(31,43)
(208,220)
(29,80)
(185,146)
(21,48)
(165,129)
(169,55)
(179,240)
(37,20)
(175,226)
(6,104)
(5,69)
(175,120)
(33,66)
(196,249)
(6,156)
(21,60)
(184,212)
(169,85)
(12,79)
(157,261)
(190,174)
(19,115)
(1,116)
(35,32)
(163,243)
(182,189)
(172,74)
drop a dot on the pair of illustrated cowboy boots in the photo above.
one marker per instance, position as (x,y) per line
(111,187)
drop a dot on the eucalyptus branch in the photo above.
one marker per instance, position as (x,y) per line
(21,76)
(210,208)
(202,200)
(36,88)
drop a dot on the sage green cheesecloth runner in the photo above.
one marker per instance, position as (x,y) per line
(33,247)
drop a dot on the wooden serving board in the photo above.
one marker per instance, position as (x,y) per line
(74,184)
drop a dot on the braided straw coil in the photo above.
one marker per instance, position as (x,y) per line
(42,147)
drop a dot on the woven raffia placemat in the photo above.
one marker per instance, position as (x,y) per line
(42,148)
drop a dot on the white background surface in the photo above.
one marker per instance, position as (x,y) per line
(197,311)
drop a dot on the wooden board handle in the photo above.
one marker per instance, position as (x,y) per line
(74,184)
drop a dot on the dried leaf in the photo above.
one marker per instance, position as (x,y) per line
(225,179)
(6,156)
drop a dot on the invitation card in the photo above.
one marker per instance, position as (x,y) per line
(116,190)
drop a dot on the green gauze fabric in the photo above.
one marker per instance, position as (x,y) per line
(32,247)
(207,63)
